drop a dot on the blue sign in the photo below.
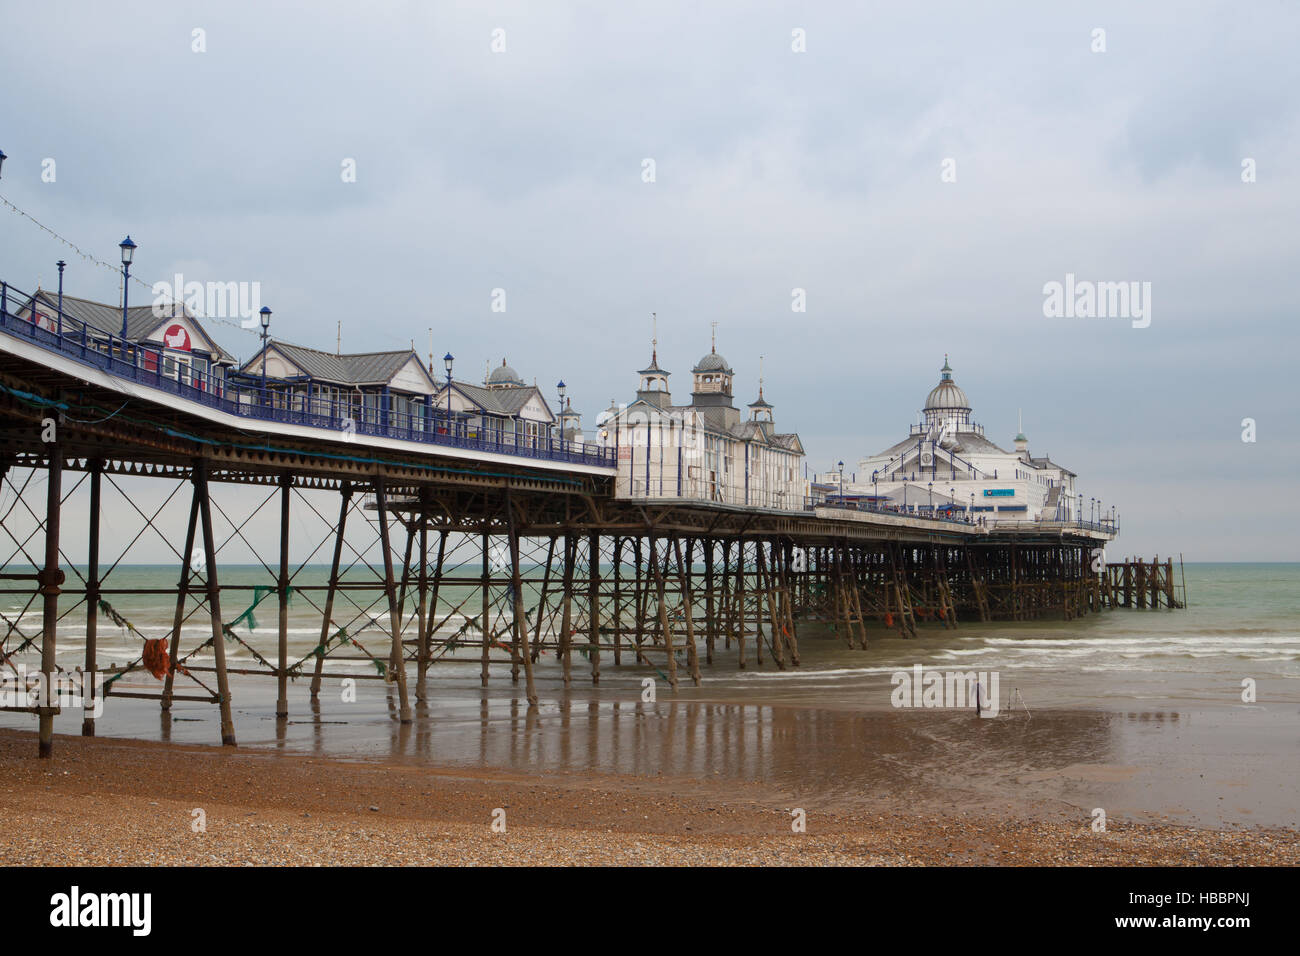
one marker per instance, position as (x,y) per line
(999,492)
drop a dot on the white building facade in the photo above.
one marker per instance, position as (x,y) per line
(703,451)
(946,464)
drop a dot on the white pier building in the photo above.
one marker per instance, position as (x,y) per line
(946,464)
(703,451)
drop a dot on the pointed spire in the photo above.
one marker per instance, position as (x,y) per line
(654,339)
(714,346)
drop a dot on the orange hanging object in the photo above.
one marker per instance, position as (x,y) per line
(889,619)
(155,658)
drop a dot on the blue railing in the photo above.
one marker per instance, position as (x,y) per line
(945,515)
(279,402)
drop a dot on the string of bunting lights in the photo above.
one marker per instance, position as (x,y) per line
(117,269)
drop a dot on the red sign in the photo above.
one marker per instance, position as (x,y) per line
(176,337)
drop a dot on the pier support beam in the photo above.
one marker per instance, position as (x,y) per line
(214,600)
(92,594)
(51,582)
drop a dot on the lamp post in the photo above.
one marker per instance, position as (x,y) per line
(970,515)
(446,363)
(875,489)
(841,467)
(265,315)
(62,265)
(560,389)
(930,488)
(128,253)
(2,159)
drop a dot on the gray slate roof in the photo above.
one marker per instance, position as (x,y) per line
(500,401)
(140,319)
(356,368)
(1048,463)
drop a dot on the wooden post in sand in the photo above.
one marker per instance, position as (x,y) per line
(92,594)
(394,609)
(345,500)
(593,603)
(182,592)
(51,581)
(520,624)
(282,592)
(200,478)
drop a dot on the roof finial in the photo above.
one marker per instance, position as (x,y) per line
(654,339)
(760,378)
(714,347)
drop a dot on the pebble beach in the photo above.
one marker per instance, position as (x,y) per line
(112,802)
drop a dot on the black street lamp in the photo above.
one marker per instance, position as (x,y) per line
(62,265)
(841,465)
(128,253)
(931,488)
(2,159)
(560,388)
(446,363)
(265,315)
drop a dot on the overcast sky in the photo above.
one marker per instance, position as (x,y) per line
(774,170)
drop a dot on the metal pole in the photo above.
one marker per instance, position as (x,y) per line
(214,601)
(394,611)
(51,581)
(282,670)
(92,580)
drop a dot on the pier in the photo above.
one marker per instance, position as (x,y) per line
(521,551)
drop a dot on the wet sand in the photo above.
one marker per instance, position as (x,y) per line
(109,801)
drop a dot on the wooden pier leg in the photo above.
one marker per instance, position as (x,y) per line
(757,592)
(182,592)
(92,597)
(640,597)
(618,601)
(593,603)
(728,623)
(282,591)
(566,617)
(422,599)
(541,601)
(484,620)
(775,637)
(345,499)
(51,582)
(426,645)
(787,586)
(740,602)
(403,584)
(520,623)
(663,613)
(688,608)
(394,608)
(710,613)
(200,478)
